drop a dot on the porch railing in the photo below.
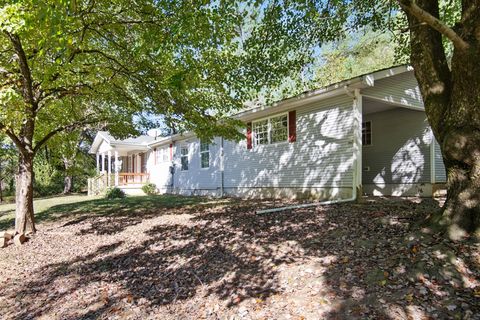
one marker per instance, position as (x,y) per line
(126,178)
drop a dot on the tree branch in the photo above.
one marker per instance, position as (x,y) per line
(424,16)
(24,69)
(71,126)
(14,138)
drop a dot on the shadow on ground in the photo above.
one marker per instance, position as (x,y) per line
(216,259)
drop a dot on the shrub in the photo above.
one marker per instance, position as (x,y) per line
(149,189)
(48,179)
(114,193)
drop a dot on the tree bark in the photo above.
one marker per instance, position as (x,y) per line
(461,146)
(452,103)
(24,219)
(67,184)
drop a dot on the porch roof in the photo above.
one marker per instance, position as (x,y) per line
(104,141)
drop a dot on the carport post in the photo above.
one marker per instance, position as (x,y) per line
(117,168)
(98,162)
(109,182)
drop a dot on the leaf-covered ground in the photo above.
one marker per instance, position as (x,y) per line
(170,257)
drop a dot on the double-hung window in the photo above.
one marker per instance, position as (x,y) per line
(270,130)
(184,157)
(204,154)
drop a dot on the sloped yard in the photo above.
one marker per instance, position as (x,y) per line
(171,257)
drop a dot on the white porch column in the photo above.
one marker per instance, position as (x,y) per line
(357,142)
(98,162)
(109,168)
(117,168)
(103,162)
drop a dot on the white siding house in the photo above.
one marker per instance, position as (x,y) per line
(368,134)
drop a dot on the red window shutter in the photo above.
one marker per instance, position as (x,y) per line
(249,135)
(155,156)
(292,126)
(171,151)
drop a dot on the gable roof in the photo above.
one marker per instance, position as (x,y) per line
(105,136)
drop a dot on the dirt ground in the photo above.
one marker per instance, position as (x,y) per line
(217,259)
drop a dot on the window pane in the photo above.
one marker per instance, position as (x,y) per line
(205,159)
(184,163)
(260,132)
(279,128)
(184,157)
(204,146)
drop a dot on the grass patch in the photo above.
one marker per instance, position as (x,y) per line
(52,209)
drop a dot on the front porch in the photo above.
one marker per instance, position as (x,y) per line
(120,165)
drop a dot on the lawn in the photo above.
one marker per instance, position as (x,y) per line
(174,257)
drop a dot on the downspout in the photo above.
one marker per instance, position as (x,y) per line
(357,153)
(222,167)
(172,167)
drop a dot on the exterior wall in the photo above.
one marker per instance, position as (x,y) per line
(398,161)
(400,89)
(159,171)
(440,174)
(318,165)
(104,147)
(197,180)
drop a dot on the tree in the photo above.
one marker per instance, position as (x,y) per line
(69,150)
(359,53)
(67,64)
(450,86)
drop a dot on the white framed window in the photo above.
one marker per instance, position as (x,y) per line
(271,130)
(184,158)
(204,154)
(163,154)
(367,133)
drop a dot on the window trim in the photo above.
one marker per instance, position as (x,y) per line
(184,155)
(269,129)
(371,134)
(204,151)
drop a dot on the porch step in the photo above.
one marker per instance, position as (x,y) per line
(132,191)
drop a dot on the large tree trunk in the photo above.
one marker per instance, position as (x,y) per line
(461,146)
(452,103)
(461,212)
(24,220)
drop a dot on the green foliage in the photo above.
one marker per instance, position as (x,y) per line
(48,180)
(357,54)
(8,165)
(114,193)
(149,189)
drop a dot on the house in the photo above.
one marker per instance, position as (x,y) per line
(366,135)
